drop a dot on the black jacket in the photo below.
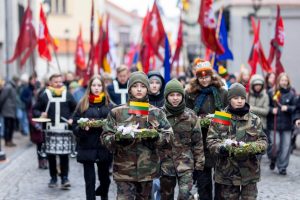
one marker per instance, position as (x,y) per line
(283,119)
(89,146)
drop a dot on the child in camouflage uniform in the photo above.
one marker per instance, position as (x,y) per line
(136,161)
(186,153)
(237,175)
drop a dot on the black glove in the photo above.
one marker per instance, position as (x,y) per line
(223,152)
(125,141)
(196,174)
(150,142)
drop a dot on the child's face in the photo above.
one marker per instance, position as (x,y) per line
(138,90)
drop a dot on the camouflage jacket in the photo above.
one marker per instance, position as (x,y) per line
(136,162)
(186,153)
(231,170)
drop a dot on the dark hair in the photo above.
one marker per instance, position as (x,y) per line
(54,76)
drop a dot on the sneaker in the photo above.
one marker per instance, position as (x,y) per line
(282,172)
(65,183)
(52,183)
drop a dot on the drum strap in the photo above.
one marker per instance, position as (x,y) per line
(122,92)
(57,101)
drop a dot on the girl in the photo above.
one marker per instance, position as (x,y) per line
(94,105)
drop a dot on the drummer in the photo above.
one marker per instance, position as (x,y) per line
(57,104)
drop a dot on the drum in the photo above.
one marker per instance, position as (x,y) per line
(58,142)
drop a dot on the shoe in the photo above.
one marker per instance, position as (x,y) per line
(52,183)
(272,165)
(10,144)
(65,183)
(282,172)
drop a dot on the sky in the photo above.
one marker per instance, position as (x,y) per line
(169,6)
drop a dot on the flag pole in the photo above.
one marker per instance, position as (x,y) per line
(217,34)
(58,65)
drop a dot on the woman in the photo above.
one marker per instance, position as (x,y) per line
(270,80)
(186,153)
(157,86)
(258,100)
(93,105)
(282,106)
(136,161)
(205,95)
(237,175)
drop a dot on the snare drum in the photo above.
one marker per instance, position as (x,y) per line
(58,142)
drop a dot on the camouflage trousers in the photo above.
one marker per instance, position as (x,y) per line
(168,183)
(127,190)
(243,192)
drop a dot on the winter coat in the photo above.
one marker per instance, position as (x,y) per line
(259,103)
(89,146)
(137,161)
(8,100)
(283,119)
(157,100)
(296,114)
(207,108)
(232,170)
(186,153)
(114,96)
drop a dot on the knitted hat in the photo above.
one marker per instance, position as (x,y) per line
(204,69)
(154,77)
(236,89)
(173,86)
(222,71)
(138,77)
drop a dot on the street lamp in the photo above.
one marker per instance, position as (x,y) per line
(256,5)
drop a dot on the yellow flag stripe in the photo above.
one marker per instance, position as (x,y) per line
(224,114)
(141,104)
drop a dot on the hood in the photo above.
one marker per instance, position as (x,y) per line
(256,79)
(156,73)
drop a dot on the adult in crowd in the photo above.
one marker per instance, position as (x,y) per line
(237,174)
(270,81)
(205,95)
(8,106)
(186,153)
(279,120)
(95,106)
(117,91)
(57,104)
(136,160)
(21,107)
(157,86)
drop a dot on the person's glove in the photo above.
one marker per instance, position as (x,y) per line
(196,174)
(223,152)
(125,141)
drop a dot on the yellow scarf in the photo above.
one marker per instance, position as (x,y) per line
(56,91)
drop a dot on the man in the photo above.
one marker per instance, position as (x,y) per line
(118,89)
(8,105)
(58,105)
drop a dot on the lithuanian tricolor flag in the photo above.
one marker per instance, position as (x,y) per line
(138,108)
(222,118)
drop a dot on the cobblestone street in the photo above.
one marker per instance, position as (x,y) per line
(20,179)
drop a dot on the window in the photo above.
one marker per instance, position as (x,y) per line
(57,6)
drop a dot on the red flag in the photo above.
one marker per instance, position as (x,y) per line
(145,50)
(178,43)
(153,31)
(257,54)
(208,27)
(27,39)
(277,44)
(79,53)
(44,37)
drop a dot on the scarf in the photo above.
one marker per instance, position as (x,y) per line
(96,98)
(203,95)
(56,92)
(239,111)
(175,110)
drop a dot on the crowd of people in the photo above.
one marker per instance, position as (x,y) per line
(185,150)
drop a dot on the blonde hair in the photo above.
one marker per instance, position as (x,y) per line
(84,103)
(277,87)
(121,69)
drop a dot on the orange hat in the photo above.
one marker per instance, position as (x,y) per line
(204,69)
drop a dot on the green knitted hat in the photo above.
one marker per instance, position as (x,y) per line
(236,89)
(173,86)
(138,77)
